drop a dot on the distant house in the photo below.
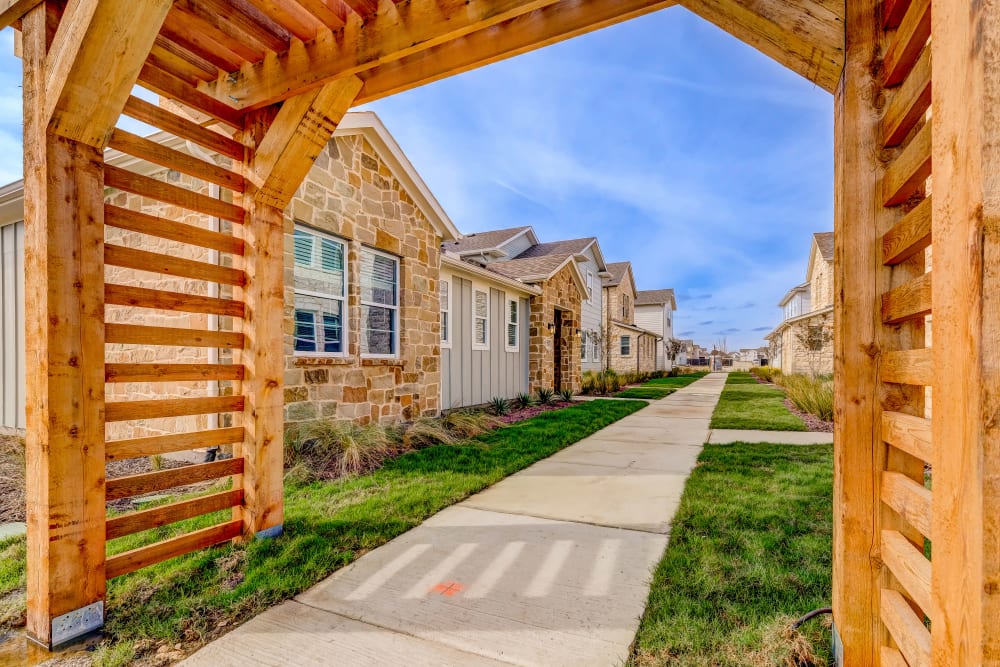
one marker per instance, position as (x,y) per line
(555,288)
(803,342)
(654,311)
(628,347)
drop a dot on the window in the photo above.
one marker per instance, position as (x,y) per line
(480,319)
(319,271)
(625,307)
(583,346)
(590,285)
(444,292)
(512,319)
(379,304)
(626,345)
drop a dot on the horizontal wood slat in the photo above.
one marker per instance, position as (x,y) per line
(893,12)
(913,33)
(172,372)
(136,485)
(179,126)
(130,561)
(144,186)
(908,301)
(134,221)
(892,657)
(908,367)
(136,522)
(907,630)
(143,297)
(908,433)
(170,86)
(909,104)
(912,234)
(910,170)
(118,411)
(909,499)
(151,151)
(143,260)
(909,566)
(137,334)
(117,450)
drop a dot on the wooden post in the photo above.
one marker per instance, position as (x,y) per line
(966,302)
(286,141)
(78,70)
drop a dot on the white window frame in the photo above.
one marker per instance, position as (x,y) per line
(342,298)
(590,285)
(476,345)
(447,325)
(621,346)
(516,323)
(583,346)
(395,308)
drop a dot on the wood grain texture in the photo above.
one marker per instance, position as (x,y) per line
(143,223)
(168,85)
(910,300)
(966,589)
(908,42)
(909,566)
(907,629)
(130,561)
(908,433)
(137,334)
(169,265)
(13,10)
(150,482)
(909,236)
(171,372)
(144,186)
(907,174)
(171,407)
(909,103)
(143,297)
(806,36)
(117,450)
(910,500)
(157,153)
(169,122)
(913,367)
(136,522)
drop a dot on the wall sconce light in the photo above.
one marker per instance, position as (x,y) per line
(551,326)
(578,333)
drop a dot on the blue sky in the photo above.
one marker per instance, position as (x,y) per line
(695,157)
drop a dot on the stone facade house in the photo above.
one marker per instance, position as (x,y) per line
(654,311)
(803,342)
(362,266)
(628,348)
(555,312)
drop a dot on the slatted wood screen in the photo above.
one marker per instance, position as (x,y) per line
(174,272)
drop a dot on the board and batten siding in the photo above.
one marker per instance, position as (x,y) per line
(473,377)
(12,325)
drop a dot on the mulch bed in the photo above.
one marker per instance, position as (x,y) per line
(520,414)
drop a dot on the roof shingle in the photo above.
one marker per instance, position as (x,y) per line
(654,297)
(482,241)
(617,271)
(570,247)
(528,267)
(824,240)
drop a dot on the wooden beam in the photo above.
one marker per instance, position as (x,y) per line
(13,10)
(966,224)
(807,36)
(130,561)
(64,315)
(534,30)
(399,31)
(95,59)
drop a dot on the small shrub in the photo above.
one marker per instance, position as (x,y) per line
(767,373)
(327,449)
(588,383)
(566,394)
(499,406)
(612,381)
(425,432)
(469,424)
(544,396)
(524,400)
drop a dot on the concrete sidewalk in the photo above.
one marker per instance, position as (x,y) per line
(551,566)
(723,436)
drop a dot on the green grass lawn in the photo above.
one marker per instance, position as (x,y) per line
(327,526)
(746,404)
(647,392)
(750,551)
(678,381)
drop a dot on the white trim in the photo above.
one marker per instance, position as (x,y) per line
(479,273)
(445,308)
(584,346)
(516,323)
(590,285)
(478,287)
(342,298)
(397,311)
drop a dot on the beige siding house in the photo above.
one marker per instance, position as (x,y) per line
(629,348)
(803,342)
(654,311)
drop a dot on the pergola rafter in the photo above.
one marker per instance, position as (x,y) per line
(264,83)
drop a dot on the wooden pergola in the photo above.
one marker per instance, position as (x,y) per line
(265,83)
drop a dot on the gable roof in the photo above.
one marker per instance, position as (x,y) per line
(482,242)
(824,241)
(617,271)
(571,246)
(655,297)
(537,269)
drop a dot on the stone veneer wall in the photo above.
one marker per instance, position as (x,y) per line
(352,194)
(646,349)
(559,291)
(795,358)
(821,284)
